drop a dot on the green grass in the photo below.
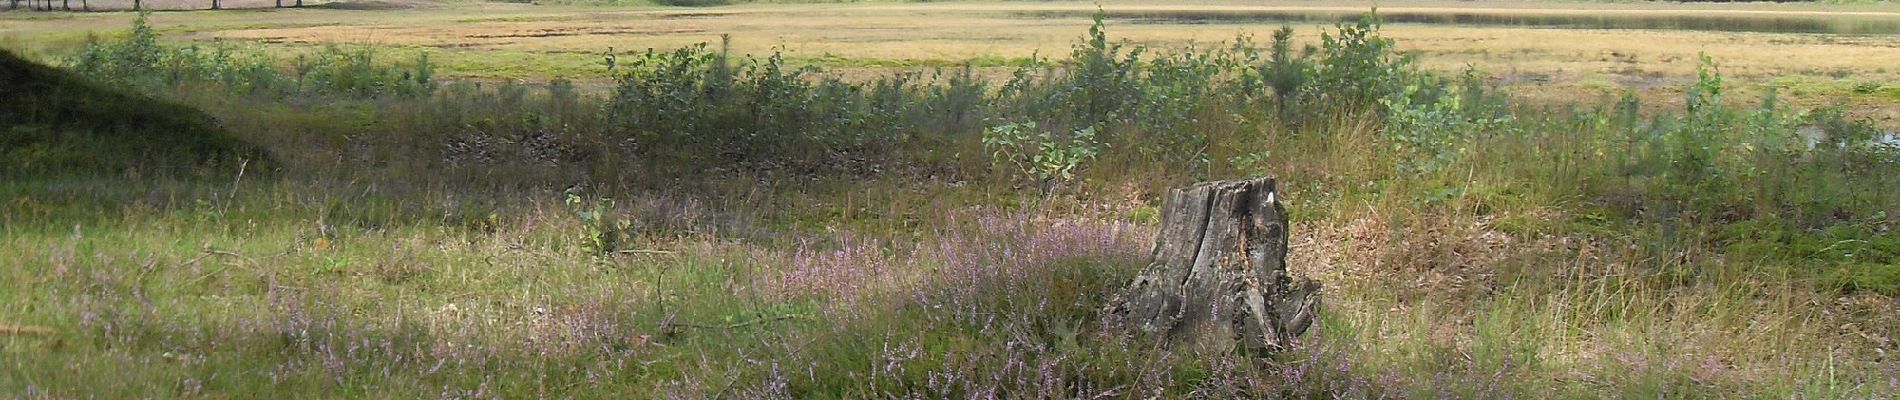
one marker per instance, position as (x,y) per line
(59,123)
(502,240)
(1840,88)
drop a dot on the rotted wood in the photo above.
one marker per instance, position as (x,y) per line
(1219,272)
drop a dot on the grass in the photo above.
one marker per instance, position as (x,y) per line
(538,43)
(64,123)
(472,238)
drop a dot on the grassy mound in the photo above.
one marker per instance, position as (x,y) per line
(56,123)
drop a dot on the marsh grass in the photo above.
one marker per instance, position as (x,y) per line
(1707,21)
(721,225)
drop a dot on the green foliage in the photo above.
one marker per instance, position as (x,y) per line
(1049,158)
(1431,122)
(1285,73)
(139,60)
(1691,148)
(1609,216)
(1097,86)
(1357,66)
(698,109)
(1717,161)
(1178,92)
(605,232)
(1102,82)
(137,54)
(694,108)
(1849,257)
(1883,279)
(1849,144)
(339,71)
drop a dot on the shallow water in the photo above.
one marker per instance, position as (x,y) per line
(1832,24)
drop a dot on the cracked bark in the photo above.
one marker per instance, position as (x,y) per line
(1219,273)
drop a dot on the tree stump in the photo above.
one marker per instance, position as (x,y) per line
(1219,272)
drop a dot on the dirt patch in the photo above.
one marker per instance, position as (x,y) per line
(379,5)
(559,32)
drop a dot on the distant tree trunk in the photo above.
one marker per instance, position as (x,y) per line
(280,3)
(299,4)
(1219,273)
(214,5)
(66,5)
(136,6)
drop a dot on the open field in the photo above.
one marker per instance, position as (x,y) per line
(462,200)
(536,43)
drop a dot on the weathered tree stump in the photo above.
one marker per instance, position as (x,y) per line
(1219,272)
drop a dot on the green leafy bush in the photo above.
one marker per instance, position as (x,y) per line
(695,107)
(139,60)
(1049,158)
(1357,66)
(1432,122)
(605,230)
(357,73)
(1286,74)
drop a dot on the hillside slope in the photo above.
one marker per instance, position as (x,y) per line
(53,122)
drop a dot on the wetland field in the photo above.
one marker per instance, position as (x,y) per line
(882,199)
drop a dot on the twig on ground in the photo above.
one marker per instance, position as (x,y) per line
(25,330)
(234,185)
(731,326)
(211,252)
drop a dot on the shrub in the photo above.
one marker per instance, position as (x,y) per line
(138,59)
(1285,73)
(1357,66)
(1049,158)
(695,107)
(1432,121)
(356,73)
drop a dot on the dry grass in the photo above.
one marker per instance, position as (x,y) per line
(514,41)
(1408,288)
(967,31)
